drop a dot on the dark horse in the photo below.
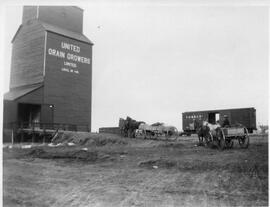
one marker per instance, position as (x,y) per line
(214,137)
(204,135)
(128,126)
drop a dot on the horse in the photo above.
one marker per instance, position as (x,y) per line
(206,133)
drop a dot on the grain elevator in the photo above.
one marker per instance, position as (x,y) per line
(51,70)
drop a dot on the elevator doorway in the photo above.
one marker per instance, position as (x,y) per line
(29,114)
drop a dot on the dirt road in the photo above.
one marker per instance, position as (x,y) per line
(137,173)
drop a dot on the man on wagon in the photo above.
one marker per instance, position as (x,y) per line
(226,122)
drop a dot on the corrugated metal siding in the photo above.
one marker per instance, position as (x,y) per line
(27,55)
(70,93)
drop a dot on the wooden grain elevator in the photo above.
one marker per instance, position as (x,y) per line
(51,70)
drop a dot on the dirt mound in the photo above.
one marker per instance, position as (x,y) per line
(159,163)
(86,138)
(101,141)
(74,137)
(83,155)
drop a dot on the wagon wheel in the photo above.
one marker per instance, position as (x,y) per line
(175,134)
(244,140)
(168,134)
(221,139)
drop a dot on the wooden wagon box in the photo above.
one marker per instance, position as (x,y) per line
(233,131)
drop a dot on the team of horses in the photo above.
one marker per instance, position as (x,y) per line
(208,133)
(132,128)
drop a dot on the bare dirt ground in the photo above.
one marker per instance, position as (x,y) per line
(136,172)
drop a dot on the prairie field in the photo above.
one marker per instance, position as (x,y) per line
(107,170)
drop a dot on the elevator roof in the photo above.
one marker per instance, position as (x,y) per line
(16,93)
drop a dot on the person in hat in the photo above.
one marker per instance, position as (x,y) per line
(226,122)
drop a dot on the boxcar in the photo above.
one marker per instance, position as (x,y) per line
(245,116)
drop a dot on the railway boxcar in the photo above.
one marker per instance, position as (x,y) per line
(241,116)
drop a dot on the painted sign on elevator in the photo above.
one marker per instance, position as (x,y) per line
(70,54)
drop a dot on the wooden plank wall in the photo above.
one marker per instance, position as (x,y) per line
(35,97)
(67,17)
(27,55)
(29,12)
(69,92)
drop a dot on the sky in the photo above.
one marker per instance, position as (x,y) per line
(154,61)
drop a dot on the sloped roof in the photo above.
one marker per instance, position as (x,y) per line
(58,30)
(64,32)
(16,93)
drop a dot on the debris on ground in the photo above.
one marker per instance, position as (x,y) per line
(26,146)
(55,145)
(162,163)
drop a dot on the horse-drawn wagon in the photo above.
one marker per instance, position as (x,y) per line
(224,137)
(155,130)
(131,128)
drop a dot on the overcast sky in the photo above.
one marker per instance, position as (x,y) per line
(153,61)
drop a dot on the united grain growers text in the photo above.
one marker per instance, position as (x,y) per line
(67,53)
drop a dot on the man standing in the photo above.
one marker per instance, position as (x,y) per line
(226,122)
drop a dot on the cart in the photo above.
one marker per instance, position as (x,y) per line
(224,137)
(155,131)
